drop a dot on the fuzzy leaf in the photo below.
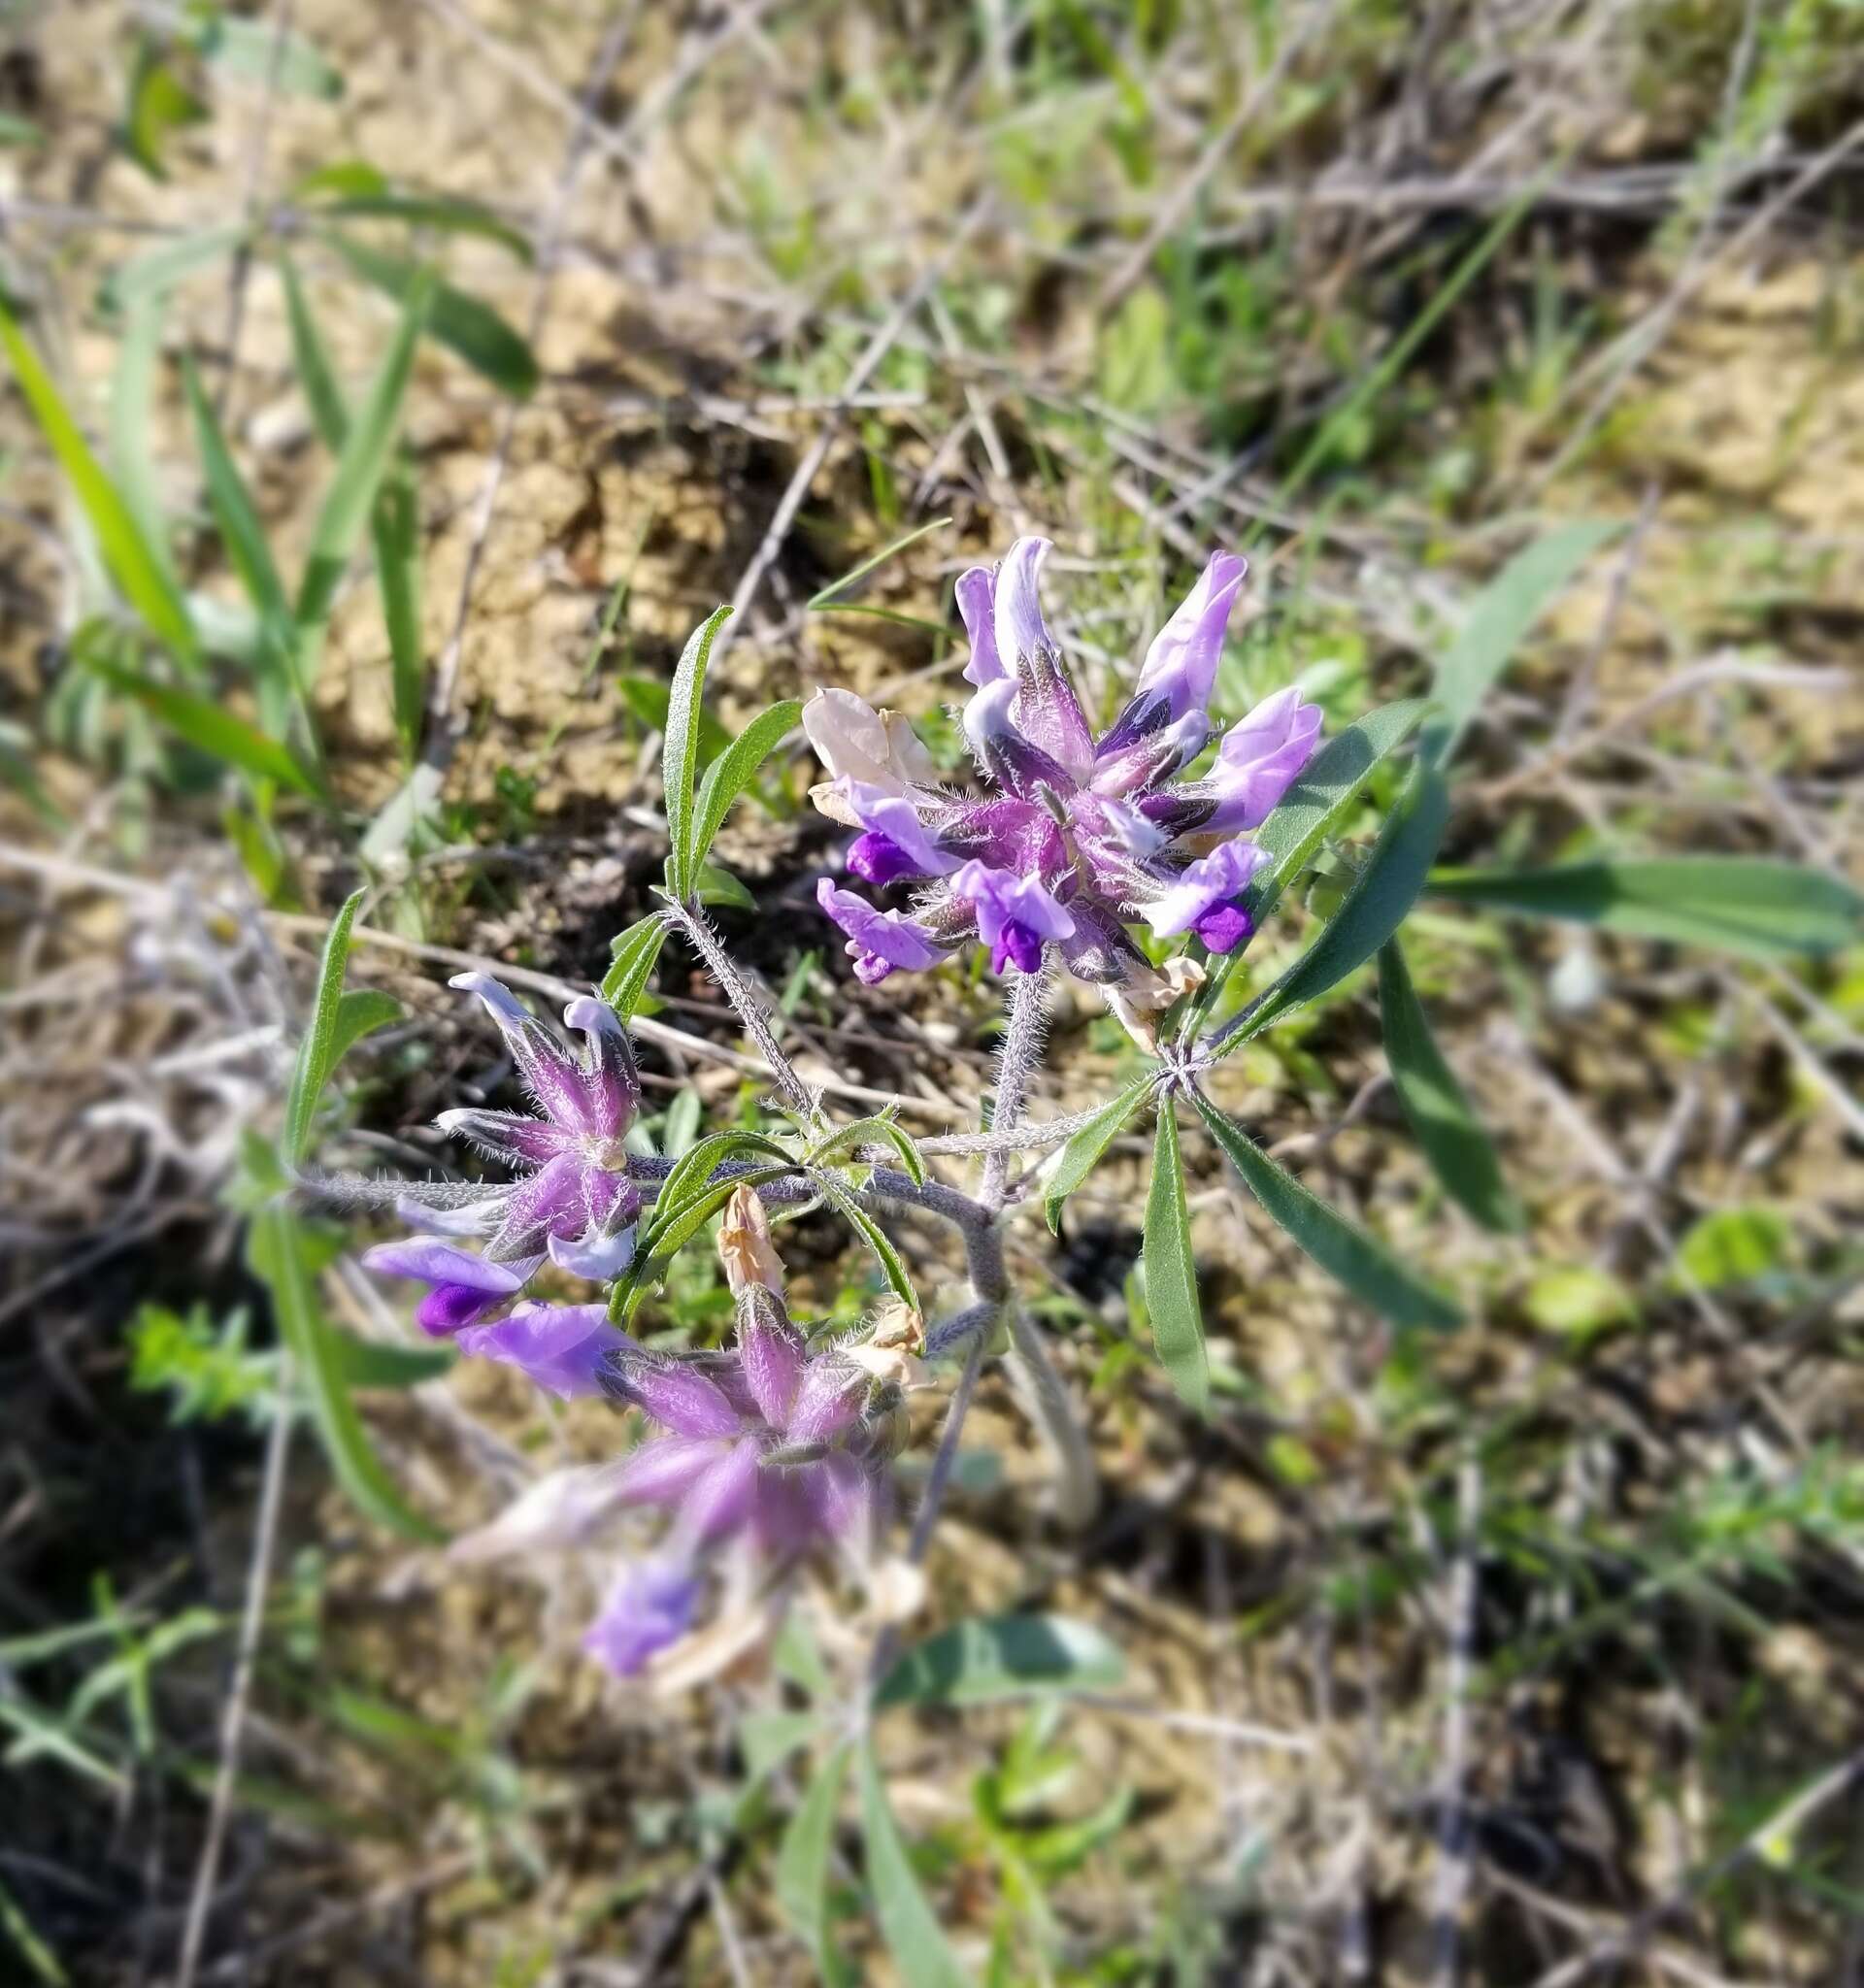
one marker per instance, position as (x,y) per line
(735,768)
(997,1657)
(1170,1272)
(1084,1148)
(679,754)
(907,1923)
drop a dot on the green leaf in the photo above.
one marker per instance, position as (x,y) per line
(1372,909)
(1735,1245)
(712,884)
(1578,1301)
(635,952)
(275,1253)
(892,1263)
(1496,624)
(471,330)
(360,467)
(802,1861)
(867,566)
(1749,905)
(449,215)
(1447,1129)
(996,1657)
(381,1363)
(210,728)
(328,413)
(868,1132)
(150,276)
(679,754)
(1366,1268)
(395,527)
(132,403)
(1084,1148)
(360,1012)
(1171,1273)
(158,104)
(735,768)
(323,1040)
(133,564)
(252,50)
(691,1179)
(907,1923)
(658,1250)
(243,536)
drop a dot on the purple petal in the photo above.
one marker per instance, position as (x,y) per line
(550,1203)
(1260,757)
(773,1355)
(893,816)
(673,1392)
(562,1348)
(599,1258)
(842,1499)
(784,1518)
(663,1471)
(1150,756)
(977,603)
(549,1071)
(1224,927)
(876,860)
(828,1398)
(440,1263)
(448,1308)
(610,1078)
(994,724)
(877,941)
(536,1141)
(1204,885)
(1016,609)
(721,1500)
(1098,948)
(651,1606)
(1015,913)
(1180,666)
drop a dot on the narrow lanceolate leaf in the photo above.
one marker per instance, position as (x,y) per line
(324,1037)
(1447,1129)
(1085,1148)
(875,1131)
(210,728)
(360,467)
(1372,909)
(133,563)
(1498,620)
(381,1363)
(1171,1273)
(1366,1268)
(735,768)
(360,1012)
(802,1862)
(635,952)
(276,1256)
(473,331)
(892,1263)
(1747,904)
(152,276)
(394,526)
(692,1176)
(132,422)
(907,1923)
(664,1240)
(679,754)
(1310,812)
(315,376)
(993,1658)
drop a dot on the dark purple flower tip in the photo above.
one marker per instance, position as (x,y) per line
(1015,913)
(448,1308)
(879,860)
(877,941)
(1204,886)
(465,1286)
(1015,945)
(1224,927)
(651,1606)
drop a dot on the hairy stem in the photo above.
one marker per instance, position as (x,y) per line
(749,1009)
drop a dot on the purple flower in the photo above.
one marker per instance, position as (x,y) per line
(573,1198)
(1077,838)
(562,1348)
(465,1286)
(878,941)
(1204,899)
(651,1606)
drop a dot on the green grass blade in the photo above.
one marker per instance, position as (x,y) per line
(447,214)
(328,412)
(1365,1267)
(735,768)
(277,1254)
(324,1040)
(1454,1141)
(993,1658)
(1498,621)
(360,467)
(210,728)
(867,566)
(907,1923)
(394,525)
(471,330)
(148,278)
(132,402)
(1084,1149)
(1749,905)
(802,1861)
(680,756)
(133,564)
(1170,1272)
(1372,909)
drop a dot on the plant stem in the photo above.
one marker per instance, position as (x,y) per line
(749,1009)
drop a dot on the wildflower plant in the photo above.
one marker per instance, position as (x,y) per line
(1145,858)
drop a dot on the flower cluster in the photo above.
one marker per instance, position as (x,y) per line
(1079,836)
(770,1451)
